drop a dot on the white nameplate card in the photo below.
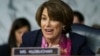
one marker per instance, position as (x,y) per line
(35,51)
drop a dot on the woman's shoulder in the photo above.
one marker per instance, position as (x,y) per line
(77,38)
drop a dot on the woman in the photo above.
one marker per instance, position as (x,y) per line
(19,27)
(55,19)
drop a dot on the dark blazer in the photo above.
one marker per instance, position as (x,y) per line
(92,34)
(79,43)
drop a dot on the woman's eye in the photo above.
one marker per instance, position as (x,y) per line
(43,18)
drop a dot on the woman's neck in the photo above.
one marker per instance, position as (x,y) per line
(53,42)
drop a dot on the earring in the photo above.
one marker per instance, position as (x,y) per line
(63,28)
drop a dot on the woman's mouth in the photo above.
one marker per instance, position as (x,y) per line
(49,31)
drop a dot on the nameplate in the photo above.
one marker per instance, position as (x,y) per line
(35,51)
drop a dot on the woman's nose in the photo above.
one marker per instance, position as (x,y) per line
(48,23)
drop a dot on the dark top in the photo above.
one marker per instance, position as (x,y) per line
(79,43)
(5,50)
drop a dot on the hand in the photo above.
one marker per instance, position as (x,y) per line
(63,51)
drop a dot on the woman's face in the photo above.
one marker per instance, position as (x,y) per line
(75,20)
(19,32)
(50,28)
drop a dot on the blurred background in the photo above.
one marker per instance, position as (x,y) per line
(11,9)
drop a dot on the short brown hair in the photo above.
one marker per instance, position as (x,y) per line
(57,10)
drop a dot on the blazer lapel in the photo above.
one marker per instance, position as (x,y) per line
(39,39)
